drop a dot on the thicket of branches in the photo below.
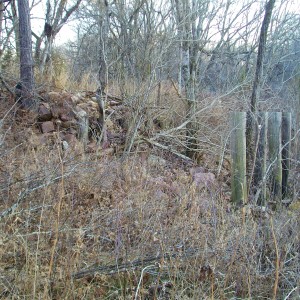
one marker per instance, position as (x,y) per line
(216,40)
(202,48)
(78,224)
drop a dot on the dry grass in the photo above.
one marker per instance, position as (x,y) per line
(77,211)
(86,211)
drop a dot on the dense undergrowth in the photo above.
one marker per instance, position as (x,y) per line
(160,235)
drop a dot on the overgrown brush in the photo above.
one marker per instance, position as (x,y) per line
(80,212)
(77,225)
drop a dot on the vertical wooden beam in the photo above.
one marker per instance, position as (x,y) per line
(274,130)
(250,153)
(259,180)
(238,156)
(286,150)
(83,122)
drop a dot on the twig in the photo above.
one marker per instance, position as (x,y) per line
(136,264)
(187,121)
(175,87)
(23,194)
(62,188)
(289,294)
(140,281)
(167,148)
(223,156)
(277,262)
(114,98)
(6,86)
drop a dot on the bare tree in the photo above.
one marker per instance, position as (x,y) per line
(26,86)
(103,27)
(260,55)
(213,42)
(56,16)
(5,31)
(189,27)
(257,82)
(9,29)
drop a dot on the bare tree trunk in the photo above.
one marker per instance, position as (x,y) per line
(191,138)
(26,61)
(260,54)
(15,21)
(257,81)
(188,45)
(179,68)
(103,69)
(1,18)
(46,56)
(4,37)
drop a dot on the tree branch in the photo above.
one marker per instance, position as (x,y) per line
(64,20)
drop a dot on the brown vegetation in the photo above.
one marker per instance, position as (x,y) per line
(150,225)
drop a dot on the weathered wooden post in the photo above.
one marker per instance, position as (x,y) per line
(286,150)
(274,134)
(238,156)
(83,122)
(259,180)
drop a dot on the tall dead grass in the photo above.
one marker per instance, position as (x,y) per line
(75,211)
(80,212)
